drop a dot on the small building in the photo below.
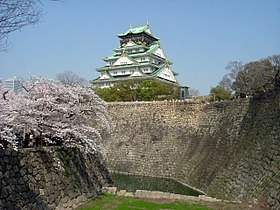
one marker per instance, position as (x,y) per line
(139,56)
(12,84)
(184,92)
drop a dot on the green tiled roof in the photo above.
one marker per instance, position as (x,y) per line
(159,70)
(111,57)
(131,47)
(153,48)
(117,79)
(137,30)
(116,67)
(150,51)
(96,81)
(125,66)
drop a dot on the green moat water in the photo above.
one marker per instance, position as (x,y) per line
(132,183)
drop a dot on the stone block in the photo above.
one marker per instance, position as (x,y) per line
(172,195)
(41,192)
(156,194)
(166,195)
(38,177)
(6,159)
(129,194)
(141,193)
(110,190)
(207,199)
(190,198)
(178,197)
(121,193)
(4,192)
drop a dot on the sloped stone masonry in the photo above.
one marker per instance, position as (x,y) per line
(230,150)
(49,178)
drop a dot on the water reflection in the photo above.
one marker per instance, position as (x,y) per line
(132,183)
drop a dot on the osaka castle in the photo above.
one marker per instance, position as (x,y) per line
(139,56)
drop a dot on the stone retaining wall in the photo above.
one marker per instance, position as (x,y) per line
(49,178)
(229,150)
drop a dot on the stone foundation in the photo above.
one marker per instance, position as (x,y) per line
(49,178)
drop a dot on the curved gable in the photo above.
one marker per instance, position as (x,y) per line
(123,60)
(166,73)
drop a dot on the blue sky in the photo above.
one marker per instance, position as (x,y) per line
(199,36)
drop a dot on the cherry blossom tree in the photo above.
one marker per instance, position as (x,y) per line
(53,114)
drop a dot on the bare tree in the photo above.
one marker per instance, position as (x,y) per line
(255,78)
(275,67)
(194,92)
(71,79)
(15,14)
(233,67)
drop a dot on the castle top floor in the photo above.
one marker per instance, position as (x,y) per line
(141,35)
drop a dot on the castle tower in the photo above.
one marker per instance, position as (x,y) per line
(139,56)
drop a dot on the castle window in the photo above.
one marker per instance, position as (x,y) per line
(142,59)
(123,72)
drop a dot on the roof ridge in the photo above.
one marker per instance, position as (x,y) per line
(140,26)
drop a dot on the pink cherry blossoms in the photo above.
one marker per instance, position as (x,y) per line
(52,114)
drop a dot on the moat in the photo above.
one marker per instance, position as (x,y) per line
(132,183)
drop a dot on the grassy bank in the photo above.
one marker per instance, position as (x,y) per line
(108,202)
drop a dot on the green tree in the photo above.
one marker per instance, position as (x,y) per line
(108,94)
(139,90)
(219,93)
(147,90)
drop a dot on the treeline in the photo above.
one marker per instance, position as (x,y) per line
(248,79)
